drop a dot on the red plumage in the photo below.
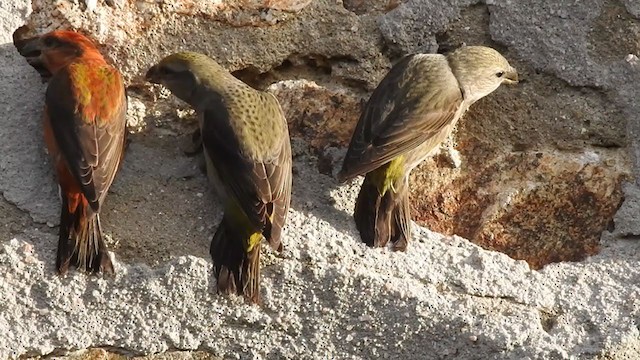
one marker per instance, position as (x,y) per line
(85,131)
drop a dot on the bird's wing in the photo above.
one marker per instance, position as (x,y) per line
(412,104)
(89,128)
(260,186)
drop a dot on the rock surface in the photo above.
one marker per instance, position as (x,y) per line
(541,206)
(328,296)
(537,171)
(322,116)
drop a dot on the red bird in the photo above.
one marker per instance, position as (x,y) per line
(84,130)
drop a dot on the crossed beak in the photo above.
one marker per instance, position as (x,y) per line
(31,49)
(511,77)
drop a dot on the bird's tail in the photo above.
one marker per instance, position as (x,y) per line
(236,261)
(80,240)
(383,215)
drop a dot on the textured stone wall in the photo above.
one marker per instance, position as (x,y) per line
(538,171)
(535,171)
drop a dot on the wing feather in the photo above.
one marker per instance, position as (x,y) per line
(262,187)
(404,111)
(91,142)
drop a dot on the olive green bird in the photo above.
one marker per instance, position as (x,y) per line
(248,159)
(413,109)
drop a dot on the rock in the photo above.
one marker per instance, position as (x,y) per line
(286,5)
(243,31)
(533,170)
(115,3)
(26,179)
(136,112)
(633,7)
(540,206)
(91,4)
(412,26)
(322,116)
(13,15)
(626,219)
(360,7)
(550,48)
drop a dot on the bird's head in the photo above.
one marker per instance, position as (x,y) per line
(181,73)
(480,70)
(54,50)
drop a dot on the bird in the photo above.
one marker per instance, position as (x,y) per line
(412,110)
(85,134)
(247,150)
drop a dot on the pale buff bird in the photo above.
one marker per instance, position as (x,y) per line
(413,109)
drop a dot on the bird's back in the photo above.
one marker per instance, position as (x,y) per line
(86,106)
(258,120)
(409,109)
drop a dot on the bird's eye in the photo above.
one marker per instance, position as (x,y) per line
(50,41)
(165,70)
(500,73)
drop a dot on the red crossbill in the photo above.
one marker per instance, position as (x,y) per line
(84,131)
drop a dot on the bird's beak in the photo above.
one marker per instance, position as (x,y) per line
(31,49)
(25,44)
(152,75)
(511,77)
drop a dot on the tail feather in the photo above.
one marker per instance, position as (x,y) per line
(382,218)
(236,270)
(80,241)
(402,220)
